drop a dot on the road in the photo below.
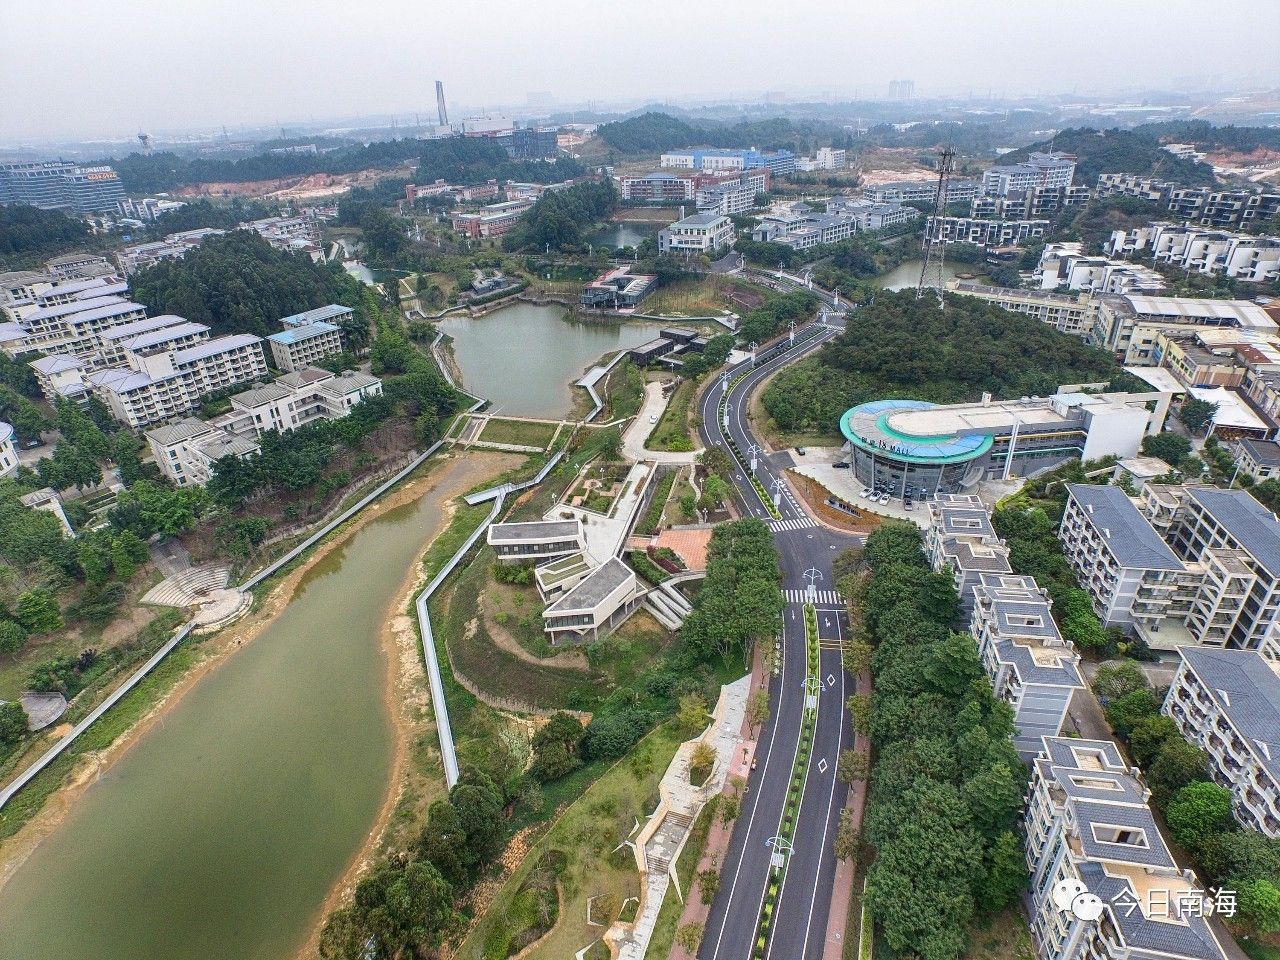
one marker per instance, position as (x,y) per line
(800,917)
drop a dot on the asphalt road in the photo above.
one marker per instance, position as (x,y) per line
(800,917)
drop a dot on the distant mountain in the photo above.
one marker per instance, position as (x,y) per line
(1119,151)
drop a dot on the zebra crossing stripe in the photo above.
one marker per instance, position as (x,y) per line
(801,523)
(823,598)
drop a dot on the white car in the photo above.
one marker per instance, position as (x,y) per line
(866,492)
(654,418)
(884,499)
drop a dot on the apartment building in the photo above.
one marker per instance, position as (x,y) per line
(595,606)
(139,256)
(1065,266)
(309,337)
(1074,314)
(1260,459)
(1227,702)
(700,233)
(802,231)
(73,328)
(1224,209)
(1051,170)
(1132,185)
(79,266)
(985,233)
(491,221)
(660,186)
(59,185)
(1088,823)
(1190,566)
(1215,357)
(1032,668)
(824,158)
(1199,250)
(922,191)
(730,193)
(185,451)
(869,215)
(8,452)
(1029,204)
(961,541)
(536,540)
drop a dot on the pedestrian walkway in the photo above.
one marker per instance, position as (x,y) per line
(803,523)
(822,598)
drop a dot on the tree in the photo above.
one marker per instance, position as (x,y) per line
(13,723)
(1196,414)
(128,552)
(758,708)
(479,808)
(1149,736)
(1006,873)
(12,637)
(37,611)
(691,716)
(689,936)
(856,656)
(848,838)
(701,762)
(730,807)
(555,747)
(1170,447)
(444,843)
(860,712)
(1199,812)
(1179,764)
(1126,712)
(708,883)
(1258,901)
(404,907)
(852,765)
(1115,680)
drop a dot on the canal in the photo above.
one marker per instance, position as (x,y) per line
(906,275)
(223,829)
(523,357)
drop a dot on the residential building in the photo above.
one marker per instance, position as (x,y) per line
(922,191)
(309,337)
(79,266)
(1032,668)
(438,188)
(491,221)
(47,499)
(1132,185)
(1074,314)
(917,449)
(74,328)
(1088,823)
(1215,357)
(595,606)
(8,452)
(825,158)
(175,245)
(531,143)
(618,289)
(730,193)
(1039,170)
(659,186)
(1259,459)
(985,233)
(1184,565)
(961,541)
(1129,324)
(1227,702)
(1224,209)
(779,164)
(869,215)
(59,185)
(537,540)
(1200,250)
(1027,204)
(700,233)
(1065,266)
(186,450)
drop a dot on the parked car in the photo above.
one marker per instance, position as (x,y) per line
(841,464)
(866,492)
(884,499)
(800,450)
(908,505)
(654,418)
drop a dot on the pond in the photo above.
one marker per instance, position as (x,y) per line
(906,275)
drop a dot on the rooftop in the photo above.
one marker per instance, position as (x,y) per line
(1244,313)
(593,588)
(535,531)
(1263,452)
(306,331)
(1247,689)
(1128,535)
(185,429)
(700,220)
(319,314)
(212,348)
(145,325)
(1251,524)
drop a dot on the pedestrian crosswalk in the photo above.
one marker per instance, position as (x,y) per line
(800,523)
(823,598)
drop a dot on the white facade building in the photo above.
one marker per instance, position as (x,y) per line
(8,452)
(700,233)
(1039,170)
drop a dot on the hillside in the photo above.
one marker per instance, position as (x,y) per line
(903,347)
(1118,151)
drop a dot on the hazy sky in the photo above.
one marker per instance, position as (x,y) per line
(84,68)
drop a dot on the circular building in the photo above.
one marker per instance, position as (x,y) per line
(910,448)
(8,453)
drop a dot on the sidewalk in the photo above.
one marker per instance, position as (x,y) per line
(846,870)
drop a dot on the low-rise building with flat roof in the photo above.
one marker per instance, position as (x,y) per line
(700,233)
(536,540)
(1260,459)
(618,289)
(1075,314)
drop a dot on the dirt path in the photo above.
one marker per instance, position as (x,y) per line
(214,651)
(502,638)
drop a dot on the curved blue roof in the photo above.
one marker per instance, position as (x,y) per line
(867,426)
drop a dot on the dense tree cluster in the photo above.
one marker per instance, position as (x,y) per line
(238,283)
(1118,151)
(947,784)
(29,234)
(201,212)
(471,160)
(1197,810)
(741,597)
(903,347)
(654,132)
(559,217)
(772,317)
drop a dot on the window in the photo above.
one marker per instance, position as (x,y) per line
(1128,836)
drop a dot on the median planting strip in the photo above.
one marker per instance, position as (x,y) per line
(795,790)
(765,500)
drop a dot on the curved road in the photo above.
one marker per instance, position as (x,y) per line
(800,918)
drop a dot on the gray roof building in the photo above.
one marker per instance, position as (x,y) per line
(1125,531)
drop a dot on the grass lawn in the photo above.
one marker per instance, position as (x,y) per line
(587,833)
(699,297)
(672,431)
(519,432)
(1001,937)
(664,929)
(674,512)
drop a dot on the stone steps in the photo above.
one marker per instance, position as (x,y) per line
(189,587)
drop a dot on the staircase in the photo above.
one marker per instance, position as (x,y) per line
(657,603)
(188,587)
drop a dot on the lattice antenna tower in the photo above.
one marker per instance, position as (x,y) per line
(932,277)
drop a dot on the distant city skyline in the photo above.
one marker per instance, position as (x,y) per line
(110,71)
